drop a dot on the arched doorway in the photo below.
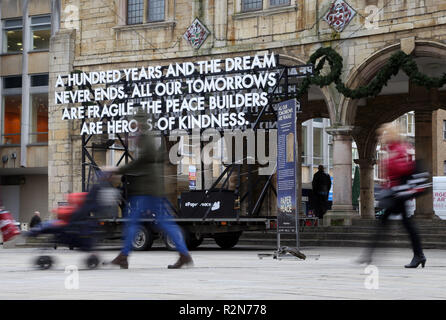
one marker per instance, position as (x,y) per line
(398,97)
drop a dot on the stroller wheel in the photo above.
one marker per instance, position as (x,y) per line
(92,261)
(44,262)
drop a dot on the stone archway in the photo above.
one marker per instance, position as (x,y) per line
(367,115)
(366,71)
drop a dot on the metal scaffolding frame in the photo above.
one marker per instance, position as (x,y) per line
(285,88)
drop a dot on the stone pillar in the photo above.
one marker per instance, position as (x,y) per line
(60,148)
(342,172)
(221,22)
(342,208)
(367,190)
(424,153)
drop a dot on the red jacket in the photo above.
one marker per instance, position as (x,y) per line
(398,164)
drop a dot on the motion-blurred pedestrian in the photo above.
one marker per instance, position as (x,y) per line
(146,193)
(397,165)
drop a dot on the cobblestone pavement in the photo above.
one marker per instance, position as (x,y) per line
(327,273)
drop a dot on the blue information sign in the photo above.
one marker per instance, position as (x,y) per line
(286,167)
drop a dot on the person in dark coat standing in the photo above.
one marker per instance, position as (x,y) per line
(321,187)
(35,220)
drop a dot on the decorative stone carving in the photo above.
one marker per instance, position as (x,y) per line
(196,34)
(339,15)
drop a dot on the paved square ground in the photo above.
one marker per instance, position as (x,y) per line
(226,274)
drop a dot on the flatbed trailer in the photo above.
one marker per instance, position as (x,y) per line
(225,231)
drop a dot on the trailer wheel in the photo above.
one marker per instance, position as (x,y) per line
(92,261)
(194,240)
(143,239)
(227,240)
(44,262)
(170,245)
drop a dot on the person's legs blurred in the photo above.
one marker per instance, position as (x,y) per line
(413,235)
(418,257)
(171,229)
(380,229)
(135,207)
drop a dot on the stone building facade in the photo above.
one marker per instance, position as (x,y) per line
(27,26)
(97,35)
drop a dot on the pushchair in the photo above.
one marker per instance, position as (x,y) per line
(76,224)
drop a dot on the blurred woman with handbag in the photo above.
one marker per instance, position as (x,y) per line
(397,166)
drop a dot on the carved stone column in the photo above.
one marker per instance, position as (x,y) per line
(367,192)
(424,153)
(342,208)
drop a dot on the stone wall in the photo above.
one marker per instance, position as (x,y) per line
(297,30)
(99,41)
(63,148)
(102,40)
(439,155)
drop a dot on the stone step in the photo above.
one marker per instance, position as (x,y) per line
(352,236)
(418,222)
(338,243)
(354,229)
(367,229)
(345,231)
(432,233)
(331,236)
(292,242)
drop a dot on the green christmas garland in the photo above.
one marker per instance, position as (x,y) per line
(397,61)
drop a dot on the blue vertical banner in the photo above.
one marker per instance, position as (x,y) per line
(286,167)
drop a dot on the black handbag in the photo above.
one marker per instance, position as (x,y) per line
(410,187)
(385,197)
(413,186)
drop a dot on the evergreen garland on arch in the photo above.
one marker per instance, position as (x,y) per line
(397,61)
